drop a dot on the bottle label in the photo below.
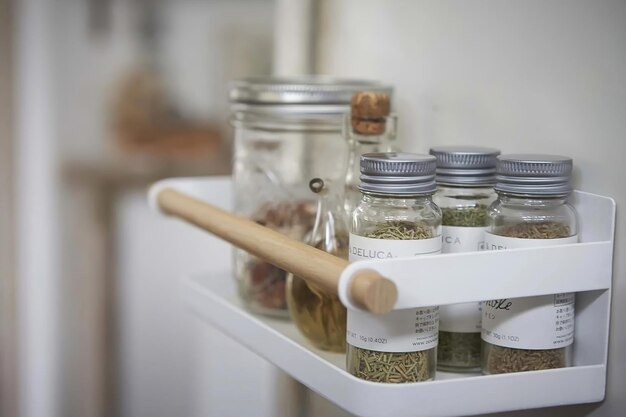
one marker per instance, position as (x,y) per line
(408,330)
(369,248)
(543,322)
(463,239)
(465,317)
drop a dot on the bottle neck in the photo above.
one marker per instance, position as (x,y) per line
(464,190)
(395,199)
(532,201)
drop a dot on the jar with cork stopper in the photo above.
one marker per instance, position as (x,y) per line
(370,127)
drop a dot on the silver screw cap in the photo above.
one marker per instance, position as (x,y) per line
(398,173)
(471,166)
(295,95)
(528,174)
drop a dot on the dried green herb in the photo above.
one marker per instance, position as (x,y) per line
(498,359)
(390,367)
(394,367)
(461,351)
(466,216)
(458,350)
(401,230)
(538,230)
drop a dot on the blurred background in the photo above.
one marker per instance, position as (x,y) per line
(100,98)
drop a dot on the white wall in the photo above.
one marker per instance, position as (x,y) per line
(173,364)
(525,76)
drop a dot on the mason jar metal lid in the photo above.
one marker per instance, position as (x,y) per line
(398,173)
(530,174)
(472,166)
(299,95)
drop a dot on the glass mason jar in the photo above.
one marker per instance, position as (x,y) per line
(395,218)
(286,131)
(530,333)
(465,179)
(320,316)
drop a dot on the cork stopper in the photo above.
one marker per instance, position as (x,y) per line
(369,111)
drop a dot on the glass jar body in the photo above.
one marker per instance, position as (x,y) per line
(381,219)
(464,218)
(513,222)
(276,156)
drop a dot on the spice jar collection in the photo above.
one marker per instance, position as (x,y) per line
(369,202)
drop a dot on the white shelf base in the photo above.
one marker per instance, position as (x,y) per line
(214,298)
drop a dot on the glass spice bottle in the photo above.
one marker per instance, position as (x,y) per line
(320,316)
(368,128)
(530,333)
(465,179)
(395,218)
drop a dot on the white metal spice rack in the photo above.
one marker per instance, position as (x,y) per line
(584,268)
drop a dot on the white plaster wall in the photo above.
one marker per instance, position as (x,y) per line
(524,76)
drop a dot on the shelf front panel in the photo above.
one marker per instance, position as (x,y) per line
(214,298)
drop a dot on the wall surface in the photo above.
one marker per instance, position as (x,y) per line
(524,76)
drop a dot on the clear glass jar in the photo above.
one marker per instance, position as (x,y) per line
(395,218)
(531,333)
(320,316)
(287,131)
(465,179)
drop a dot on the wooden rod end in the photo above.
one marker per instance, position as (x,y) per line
(373,292)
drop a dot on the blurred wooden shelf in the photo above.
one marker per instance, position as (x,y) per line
(139,170)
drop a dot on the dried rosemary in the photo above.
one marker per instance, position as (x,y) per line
(538,230)
(500,360)
(465,216)
(459,334)
(394,367)
(401,230)
(458,350)
(390,367)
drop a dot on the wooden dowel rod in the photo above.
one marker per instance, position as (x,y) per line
(369,289)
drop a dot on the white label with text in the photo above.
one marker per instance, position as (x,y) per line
(409,330)
(543,322)
(369,248)
(462,239)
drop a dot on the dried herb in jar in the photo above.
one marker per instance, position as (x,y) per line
(401,230)
(390,367)
(499,359)
(319,314)
(263,284)
(458,350)
(394,367)
(396,217)
(465,216)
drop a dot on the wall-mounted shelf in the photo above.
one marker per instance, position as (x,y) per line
(584,268)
